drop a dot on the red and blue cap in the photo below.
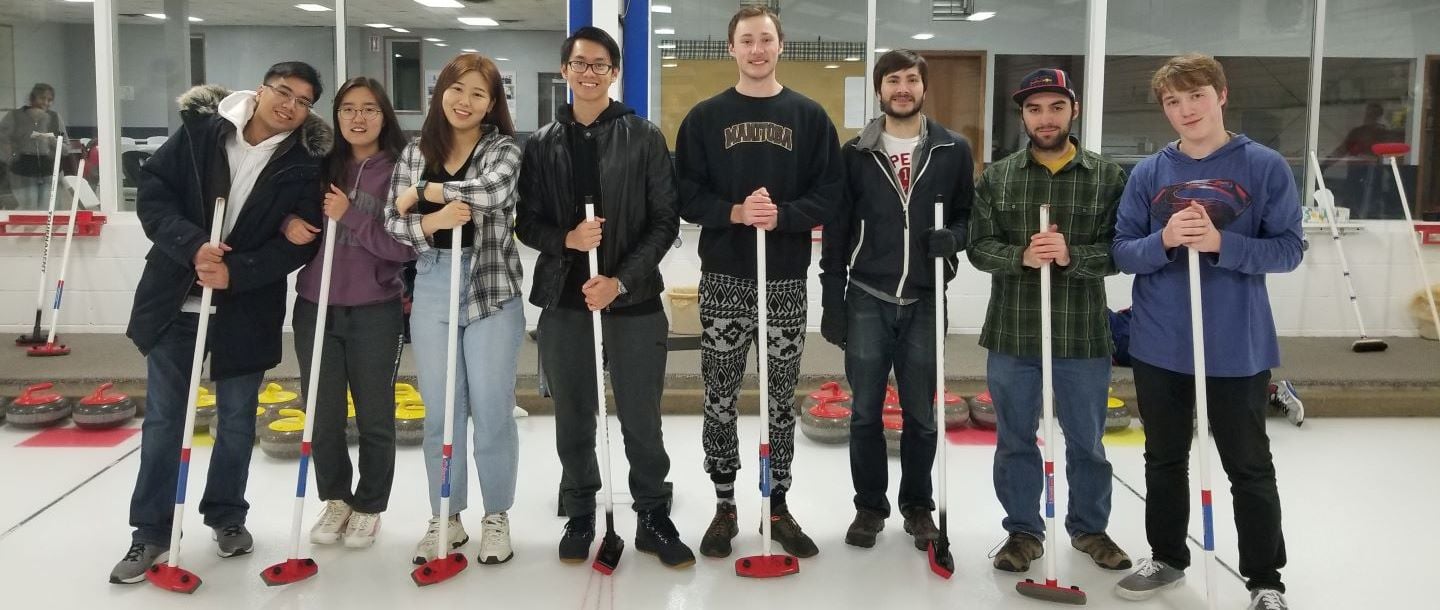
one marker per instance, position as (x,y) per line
(1045,79)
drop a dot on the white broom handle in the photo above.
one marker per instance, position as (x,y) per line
(452,340)
(762,334)
(1415,243)
(1047,394)
(312,393)
(595,332)
(197,360)
(1202,410)
(940,362)
(49,223)
(1326,200)
(65,256)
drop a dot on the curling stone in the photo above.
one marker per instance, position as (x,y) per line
(1117,415)
(957,411)
(829,392)
(205,411)
(104,409)
(352,429)
(276,396)
(892,401)
(827,422)
(281,439)
(982,411)
(38,408)
(410,424)
(894,425)
(406,394)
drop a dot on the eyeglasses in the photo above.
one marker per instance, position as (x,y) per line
(367,113)
(287,97)
(579,67)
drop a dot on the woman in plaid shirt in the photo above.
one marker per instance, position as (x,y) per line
(461,174)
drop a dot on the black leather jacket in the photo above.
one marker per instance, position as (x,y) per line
(637,189)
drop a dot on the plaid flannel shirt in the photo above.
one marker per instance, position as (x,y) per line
(1083,198)
(490,189)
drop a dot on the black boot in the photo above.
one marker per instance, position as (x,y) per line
(656,534)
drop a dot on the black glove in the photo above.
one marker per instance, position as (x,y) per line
(833,326)
(942,243)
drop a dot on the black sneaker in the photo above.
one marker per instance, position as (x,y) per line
(655,534)
(575,542)
(919,524)
(233,540)
(785,530)
(716,542)
(864,528)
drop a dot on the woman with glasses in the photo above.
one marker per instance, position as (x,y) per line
(453,194)
(364,320)
(27,147)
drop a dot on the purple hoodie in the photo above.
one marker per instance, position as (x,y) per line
(367,260)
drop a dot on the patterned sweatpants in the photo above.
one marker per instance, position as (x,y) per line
(728,318)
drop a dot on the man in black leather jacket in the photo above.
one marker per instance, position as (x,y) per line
(599,151)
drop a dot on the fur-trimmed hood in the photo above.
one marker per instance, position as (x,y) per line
(203,102)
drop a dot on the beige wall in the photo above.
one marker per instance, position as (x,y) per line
(693,81)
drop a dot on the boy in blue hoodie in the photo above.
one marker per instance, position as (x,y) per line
(1235,202)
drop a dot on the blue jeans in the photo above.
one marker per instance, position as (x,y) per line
(486,359)
(1081,393)
(882,336)
(152,505)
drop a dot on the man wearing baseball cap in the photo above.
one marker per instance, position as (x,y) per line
(1083,190)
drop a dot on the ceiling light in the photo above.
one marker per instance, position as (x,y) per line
(981,16)
(923,36)
(666,45)
(882,50)
(195,20)
(160,16)
(441,44)
(401,30)
(313,8)
(832,66)
(399,55)
(502,59)
(379,26)
(434,39)
(470,50)
(668,57)
(660,8)
(852,59)
(440,3)
(669,65)
(665,31)
(478,21)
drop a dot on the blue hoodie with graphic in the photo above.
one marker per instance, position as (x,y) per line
(1249,192)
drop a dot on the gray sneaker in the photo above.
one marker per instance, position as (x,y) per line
(1289,401)
(1150,578)
(232,540)
(1267,599)
(137,561)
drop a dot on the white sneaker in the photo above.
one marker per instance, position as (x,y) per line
(1267,599)
(332,521)
(495,540)
(360,533)
(1289,401)
(455,532)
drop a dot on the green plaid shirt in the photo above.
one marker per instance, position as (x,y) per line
(1083,198)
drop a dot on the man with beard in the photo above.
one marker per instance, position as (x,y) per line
(1083,191)
(877,274)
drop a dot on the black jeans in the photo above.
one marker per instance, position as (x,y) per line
(635,353)
(361,345)
(1237,420)
(882,336)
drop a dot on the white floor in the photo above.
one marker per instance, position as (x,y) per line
(1359,500)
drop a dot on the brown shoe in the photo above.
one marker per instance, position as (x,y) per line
(1103,550)
(1017,553)
(716,542)
(919,524)
(864,528)
(785,530)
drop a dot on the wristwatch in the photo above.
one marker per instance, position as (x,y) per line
(622,286)
(420,188)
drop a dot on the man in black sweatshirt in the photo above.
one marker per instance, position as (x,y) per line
(757,157)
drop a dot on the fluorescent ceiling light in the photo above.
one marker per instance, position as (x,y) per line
(401,30)
(665,31)
(196,20)
(852,59)
(666,45)
(478,21)
(882,50)
(160,16)
(313,8)
(660,8)
(669,57)
(434,40)
(923,36)
(470,50)
(440,3)
(502,59)
(981,16)
(832,66)
(441,44)
(379,26)
(398,55)
(669,65)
